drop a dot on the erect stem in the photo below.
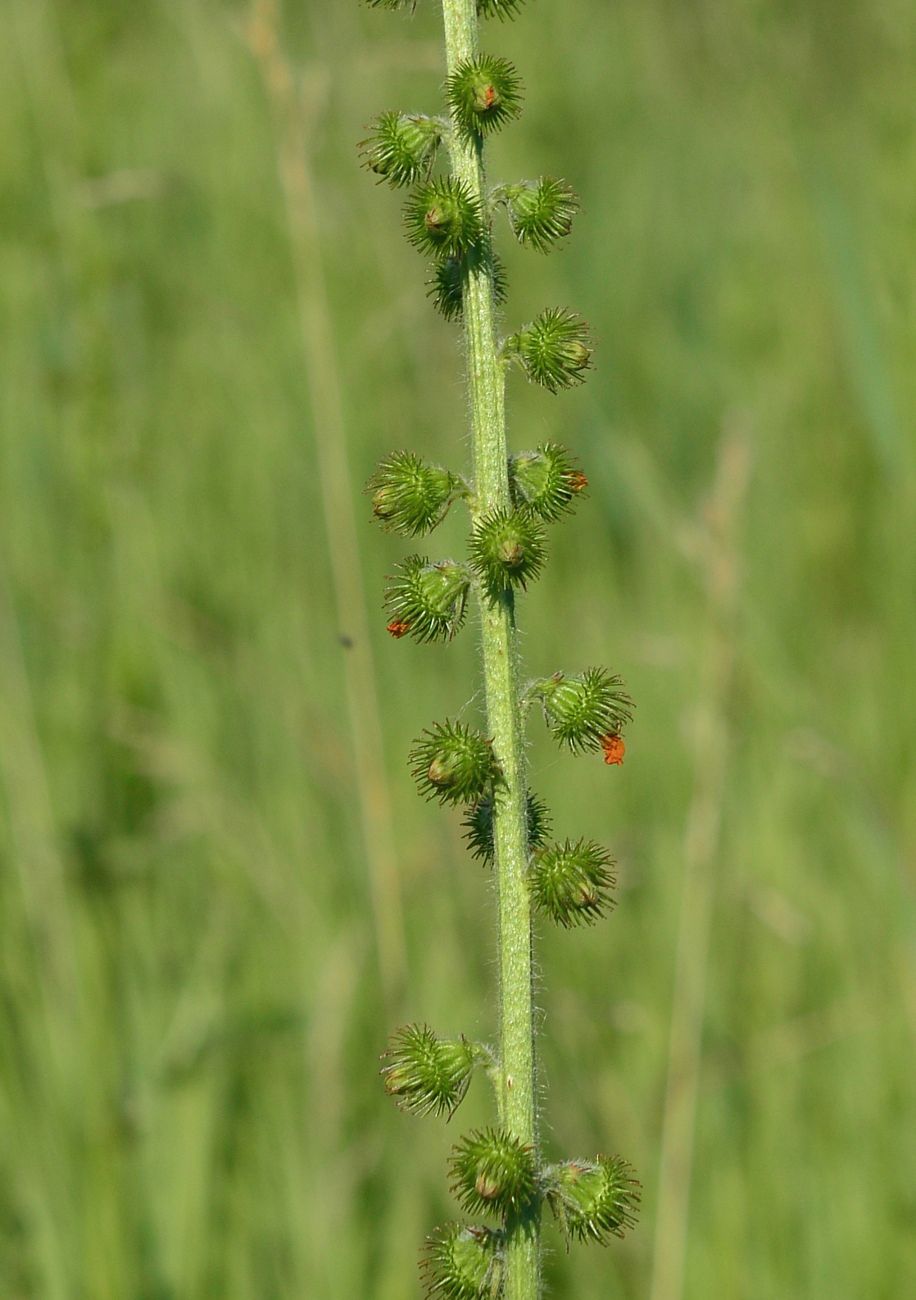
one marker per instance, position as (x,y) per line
(486,382)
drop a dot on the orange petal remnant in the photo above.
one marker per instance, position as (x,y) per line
(577,480)
(614,749)
(398,628)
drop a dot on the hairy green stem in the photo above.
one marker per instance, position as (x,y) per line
(486,381)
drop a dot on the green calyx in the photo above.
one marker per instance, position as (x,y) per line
(478,827)
(484,93)
(450,277)
(572,883)
(402,147)
(553,350)
(545,481)
(540,212)
(442,217)
(455,764)
(427,600)
(493,1171)
(583,711)
(464,1263)
(426,1074)
(507,550)
(593,1200)
(410,497)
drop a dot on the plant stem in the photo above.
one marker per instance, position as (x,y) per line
(486,382)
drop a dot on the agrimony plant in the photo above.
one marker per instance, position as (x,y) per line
(498,1172)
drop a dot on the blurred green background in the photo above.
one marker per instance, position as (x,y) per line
(219,891)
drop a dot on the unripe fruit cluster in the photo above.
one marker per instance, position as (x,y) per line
(449,218)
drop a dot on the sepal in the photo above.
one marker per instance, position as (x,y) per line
(545,481)
(572,883)
(478,827)
(443,217)
(426,1074)
(593,1200)
(455,764)
(402,147)
(507,550)
(584,712)
(484,93)
(492,1170)
(464,1263)
(540,212)
(428,600)
(410,497)
(553,349)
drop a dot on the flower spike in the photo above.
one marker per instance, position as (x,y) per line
(553,349)
(545,481)
(593,1200)
(573,883)
(463,1263)
(428,600)
(426,1074)
(540,212)
(448,215)
(402,147)
(493,1171)
(582,712)
(410,497)
(484,93)
(454,764)
(443,218)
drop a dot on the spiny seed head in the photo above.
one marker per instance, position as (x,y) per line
(493,1170)
(426,1074)
(428,600)
(540,212)
(454,764)
(484,93)
(553,349)
(478,827)
(408,496)
(572,883)
(402,147)
(593,1200)
(450,276)
(582,711)
(507,550)
(463,1263)
(443,217)
(502,9)
(545,481)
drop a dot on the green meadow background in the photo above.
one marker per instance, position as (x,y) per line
(218,889)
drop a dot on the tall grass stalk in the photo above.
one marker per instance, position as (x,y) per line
(337,496)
